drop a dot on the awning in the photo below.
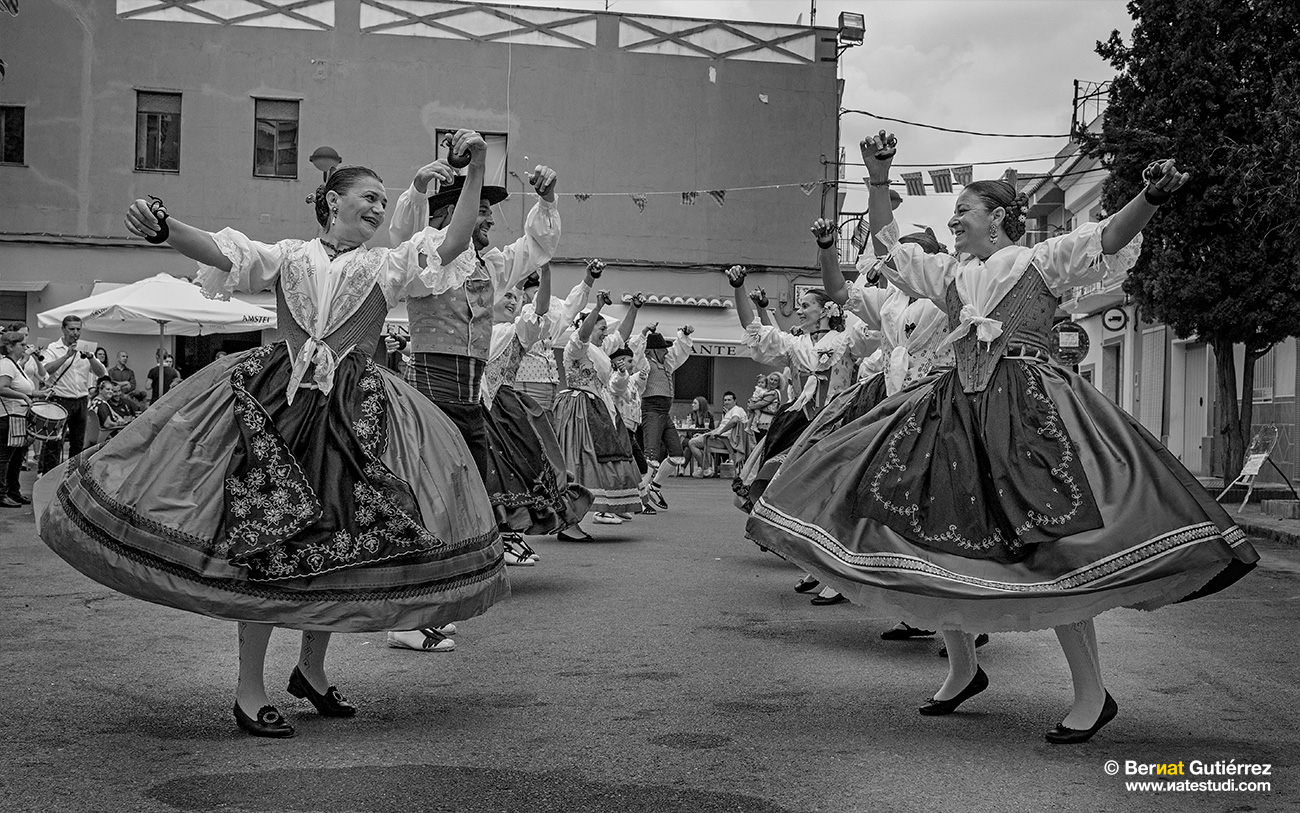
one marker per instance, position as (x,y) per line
(712,325)
(23,286)
(715,328)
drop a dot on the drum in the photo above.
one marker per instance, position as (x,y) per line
(45,421)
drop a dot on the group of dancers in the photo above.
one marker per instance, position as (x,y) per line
(933,464)
(300,484)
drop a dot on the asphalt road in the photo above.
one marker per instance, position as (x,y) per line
(668,667)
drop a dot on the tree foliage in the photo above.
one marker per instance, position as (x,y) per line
(1214,84)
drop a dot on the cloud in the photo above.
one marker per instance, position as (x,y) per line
(986,65)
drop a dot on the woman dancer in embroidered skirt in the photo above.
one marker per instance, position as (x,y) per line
(299,484)
(824,355)
(587,422)
(527,480)
(1007,494)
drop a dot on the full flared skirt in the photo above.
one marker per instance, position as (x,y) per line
(528,482)
(885,508)
(609,473)
(360,510)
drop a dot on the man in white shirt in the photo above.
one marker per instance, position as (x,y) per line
(70,376)
(728,436)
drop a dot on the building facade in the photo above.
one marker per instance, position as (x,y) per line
(681,145)
(1164,380)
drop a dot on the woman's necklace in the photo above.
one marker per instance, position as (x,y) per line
(334,251)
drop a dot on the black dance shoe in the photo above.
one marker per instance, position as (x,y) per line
(903,632)
(826,601)
(9,502)
(806,584)
(329,704)
(936,708)
(1068,736)
(19,497)
(269,723)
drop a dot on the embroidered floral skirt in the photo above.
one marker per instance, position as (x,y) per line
(356,511)
(597,449)
(1035,503)
(527,481)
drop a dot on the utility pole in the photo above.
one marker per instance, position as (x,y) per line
(812,18)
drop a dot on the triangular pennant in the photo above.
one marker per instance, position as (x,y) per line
(962,174)
(639,200)
(719,195)
(582,196)
(809,187)
(942,180)
(688,198)
(915,186)
(861,233)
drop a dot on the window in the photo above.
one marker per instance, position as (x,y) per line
(158,131)
(1264,376)
(694,377)
(496,156)
(11,134)
(13,307)
(275,138)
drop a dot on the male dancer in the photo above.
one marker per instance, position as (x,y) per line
(659,435)
(451,329)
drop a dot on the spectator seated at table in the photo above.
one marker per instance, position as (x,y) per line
(728,438)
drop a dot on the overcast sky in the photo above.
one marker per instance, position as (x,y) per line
(1002,66)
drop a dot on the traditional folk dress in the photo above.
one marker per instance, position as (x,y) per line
(912,333)
(591,431)
(296,484)
(1007,493)
(527,480)
(451,317)
(826,366)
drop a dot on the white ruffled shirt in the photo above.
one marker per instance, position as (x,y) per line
(905,356)
(322,293)
(834,354)
(1063,262)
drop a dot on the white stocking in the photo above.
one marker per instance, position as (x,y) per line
(667,469)
(1079,643)
(962,663)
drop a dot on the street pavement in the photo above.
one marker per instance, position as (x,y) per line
(667,667)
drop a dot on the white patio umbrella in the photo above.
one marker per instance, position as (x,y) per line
(163,303)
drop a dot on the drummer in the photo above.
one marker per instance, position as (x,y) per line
(16,392)
(71,375)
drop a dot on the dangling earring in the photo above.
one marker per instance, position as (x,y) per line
(334,212)
(993,232)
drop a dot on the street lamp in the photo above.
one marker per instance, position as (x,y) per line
(853,30)
(325,159)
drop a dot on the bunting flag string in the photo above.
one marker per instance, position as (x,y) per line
(942,181)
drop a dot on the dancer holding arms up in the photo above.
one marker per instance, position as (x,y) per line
(1007,493)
